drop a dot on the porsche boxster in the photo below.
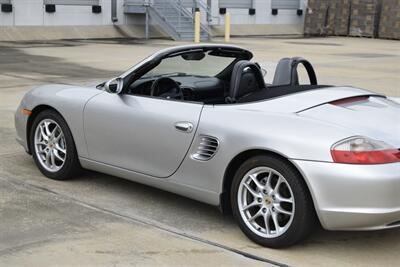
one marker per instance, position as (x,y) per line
(200,121)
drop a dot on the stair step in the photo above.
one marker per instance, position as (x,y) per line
(171,10)
(167,11)
(192,34)
(168,14)
(191,28)
(188,35)
(191,39)
(186,19)
(181,25)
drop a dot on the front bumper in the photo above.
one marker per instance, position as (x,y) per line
(354,197)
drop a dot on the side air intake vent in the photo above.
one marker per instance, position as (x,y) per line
(207,148)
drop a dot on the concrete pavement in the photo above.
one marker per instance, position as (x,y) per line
(103,220)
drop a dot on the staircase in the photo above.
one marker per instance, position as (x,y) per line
(175,19)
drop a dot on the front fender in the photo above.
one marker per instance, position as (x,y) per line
(67,100)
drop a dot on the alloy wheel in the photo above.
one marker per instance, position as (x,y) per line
(266,202)
(50,145)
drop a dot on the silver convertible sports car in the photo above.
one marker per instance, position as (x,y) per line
(200,121)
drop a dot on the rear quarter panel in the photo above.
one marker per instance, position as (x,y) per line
(240,128)
(395,99)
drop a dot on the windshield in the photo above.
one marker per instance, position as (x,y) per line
(209,65)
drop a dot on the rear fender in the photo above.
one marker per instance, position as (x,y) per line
(395,99)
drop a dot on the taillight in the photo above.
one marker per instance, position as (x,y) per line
(363,150)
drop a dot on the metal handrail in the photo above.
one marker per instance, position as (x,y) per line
(166,23)
(178,7)
(189,14)
(207,9)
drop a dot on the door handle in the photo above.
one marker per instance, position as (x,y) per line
(186,127)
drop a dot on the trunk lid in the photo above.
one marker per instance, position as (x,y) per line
(372,116)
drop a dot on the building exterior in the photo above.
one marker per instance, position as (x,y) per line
(54,19)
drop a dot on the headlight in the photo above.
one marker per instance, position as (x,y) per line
(364,150)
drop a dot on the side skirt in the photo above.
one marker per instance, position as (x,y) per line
(167,184)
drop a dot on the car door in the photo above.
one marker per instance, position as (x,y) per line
(142,134)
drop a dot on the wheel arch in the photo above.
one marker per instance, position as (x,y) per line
(233,166)
(35,111)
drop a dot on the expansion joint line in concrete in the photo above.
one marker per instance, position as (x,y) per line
(147,223)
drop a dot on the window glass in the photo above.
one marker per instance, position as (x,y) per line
(210,65)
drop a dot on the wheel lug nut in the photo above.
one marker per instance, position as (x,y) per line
(259,199)
(264,210)
(273,209)
(265,191)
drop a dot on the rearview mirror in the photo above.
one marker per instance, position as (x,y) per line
(193,56)
(114,86)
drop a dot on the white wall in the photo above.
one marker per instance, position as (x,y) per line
(32,13)
(6,19)
(72,15)
(263,14)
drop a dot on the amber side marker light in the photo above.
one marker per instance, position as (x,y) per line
(26,112)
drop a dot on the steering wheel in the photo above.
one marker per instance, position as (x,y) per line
(167,88)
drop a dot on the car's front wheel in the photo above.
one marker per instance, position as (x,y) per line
(271,202)
(53,147)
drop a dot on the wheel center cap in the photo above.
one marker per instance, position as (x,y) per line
(268,200)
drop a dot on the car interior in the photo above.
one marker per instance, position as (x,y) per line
(240,81)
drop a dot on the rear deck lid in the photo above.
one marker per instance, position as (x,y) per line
(372,116)
(300,101)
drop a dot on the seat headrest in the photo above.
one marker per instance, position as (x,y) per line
(286,72)
(246,78)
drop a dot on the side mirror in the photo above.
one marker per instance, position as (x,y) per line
(114,86)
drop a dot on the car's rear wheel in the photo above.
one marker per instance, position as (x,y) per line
(53,147)
(271,202)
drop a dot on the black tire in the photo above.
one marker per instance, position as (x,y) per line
(304,219)
(71,167)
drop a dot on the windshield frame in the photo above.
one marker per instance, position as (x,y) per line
(137,71)
(209,66)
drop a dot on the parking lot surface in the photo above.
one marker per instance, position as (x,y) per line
(103,220)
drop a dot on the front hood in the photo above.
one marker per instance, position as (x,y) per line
(374,117)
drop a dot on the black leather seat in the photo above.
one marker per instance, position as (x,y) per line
(246,79)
